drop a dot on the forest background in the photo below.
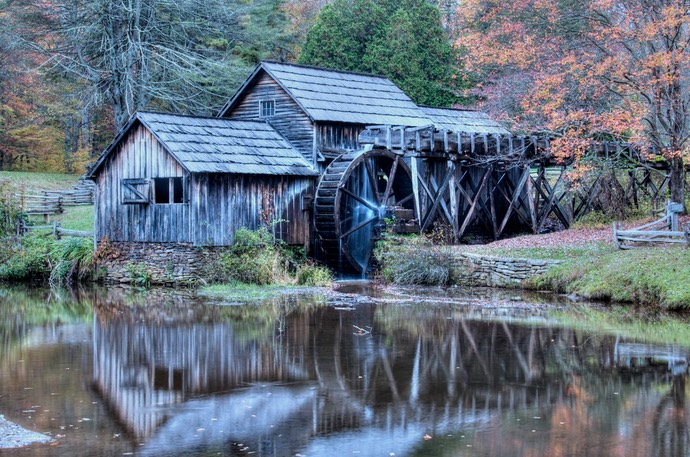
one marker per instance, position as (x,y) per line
(75,70)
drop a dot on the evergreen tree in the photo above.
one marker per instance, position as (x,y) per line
(404,41)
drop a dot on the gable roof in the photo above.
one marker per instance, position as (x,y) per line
(212,145)
(339,96)
(467,121)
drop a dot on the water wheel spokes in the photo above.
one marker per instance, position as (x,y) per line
(356,195)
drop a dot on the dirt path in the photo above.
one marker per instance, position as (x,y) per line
(14,436)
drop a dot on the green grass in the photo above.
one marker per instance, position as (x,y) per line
(73,218)
(632,323)
(657,276)
(238,291)
(39,181)
(76,218)
(551,253)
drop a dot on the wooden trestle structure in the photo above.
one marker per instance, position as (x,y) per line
(505,182)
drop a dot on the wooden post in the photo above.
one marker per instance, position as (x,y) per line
(453,201)
(414,168)
(531,201)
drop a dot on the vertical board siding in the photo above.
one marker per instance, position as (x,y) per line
(139,156)
(290,120)
(225,203)
(338,135)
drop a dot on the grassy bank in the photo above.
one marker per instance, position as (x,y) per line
(595,270)
(650,276)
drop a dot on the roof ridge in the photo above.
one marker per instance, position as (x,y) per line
(210,118)
(468,109)
(333,70)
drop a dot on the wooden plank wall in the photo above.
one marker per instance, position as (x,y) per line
(222,204)
(289,119)
(139,155)
(333,136)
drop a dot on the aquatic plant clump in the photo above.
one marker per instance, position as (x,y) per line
(413,261)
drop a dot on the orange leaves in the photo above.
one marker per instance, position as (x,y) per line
(597,70)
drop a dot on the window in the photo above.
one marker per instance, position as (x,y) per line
(136,191)
(267,108)
(168,190)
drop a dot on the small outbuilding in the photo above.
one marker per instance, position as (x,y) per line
(194,181)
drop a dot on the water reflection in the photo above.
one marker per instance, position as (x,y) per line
(351,374)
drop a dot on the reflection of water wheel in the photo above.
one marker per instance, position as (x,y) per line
(357,192)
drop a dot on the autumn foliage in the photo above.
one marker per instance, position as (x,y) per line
(586,70)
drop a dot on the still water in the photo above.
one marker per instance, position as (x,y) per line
(358,372)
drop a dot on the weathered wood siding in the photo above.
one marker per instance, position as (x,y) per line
(332,136)
(290,120)
(139,156)
(223,203)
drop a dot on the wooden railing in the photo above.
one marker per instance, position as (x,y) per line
(56,230)
(51,202)
(664,230)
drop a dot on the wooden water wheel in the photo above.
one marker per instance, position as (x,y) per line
(358,194)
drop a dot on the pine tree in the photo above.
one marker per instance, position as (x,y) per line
(404,41)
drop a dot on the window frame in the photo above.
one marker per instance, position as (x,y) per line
(176,186)
(267,108)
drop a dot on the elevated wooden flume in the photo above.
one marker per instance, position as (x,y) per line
(503,182)
(476,148)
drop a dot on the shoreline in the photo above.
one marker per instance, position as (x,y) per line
(13,436)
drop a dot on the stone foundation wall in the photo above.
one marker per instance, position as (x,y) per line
(482,270)
(165,262)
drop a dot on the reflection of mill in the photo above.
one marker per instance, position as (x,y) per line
(315,382)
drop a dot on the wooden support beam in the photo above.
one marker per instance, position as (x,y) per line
(552,204)
(453,200)
(532,198)
(516,196)
(437,198)
(414,169)
(473,204)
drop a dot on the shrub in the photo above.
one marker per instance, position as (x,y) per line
(11,215)
(28,258)
(311,274)
(256,258)
(73,260)
(413,261)
(139,275)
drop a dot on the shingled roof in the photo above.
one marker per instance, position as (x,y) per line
(340,96)
(213,145)
(467,121)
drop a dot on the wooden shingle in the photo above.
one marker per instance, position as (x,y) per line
(214,145)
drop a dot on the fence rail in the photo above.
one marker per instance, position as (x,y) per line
(56,231)
(51,202)
(664,230)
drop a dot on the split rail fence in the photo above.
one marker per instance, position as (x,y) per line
(664,230)
(51,202)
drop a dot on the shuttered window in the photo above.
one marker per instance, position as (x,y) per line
(136,191)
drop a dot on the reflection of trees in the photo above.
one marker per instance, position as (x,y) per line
(22,308)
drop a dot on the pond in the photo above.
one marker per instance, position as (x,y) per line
(359,371)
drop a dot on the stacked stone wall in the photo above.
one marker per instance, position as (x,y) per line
(489,271)
(164,262)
